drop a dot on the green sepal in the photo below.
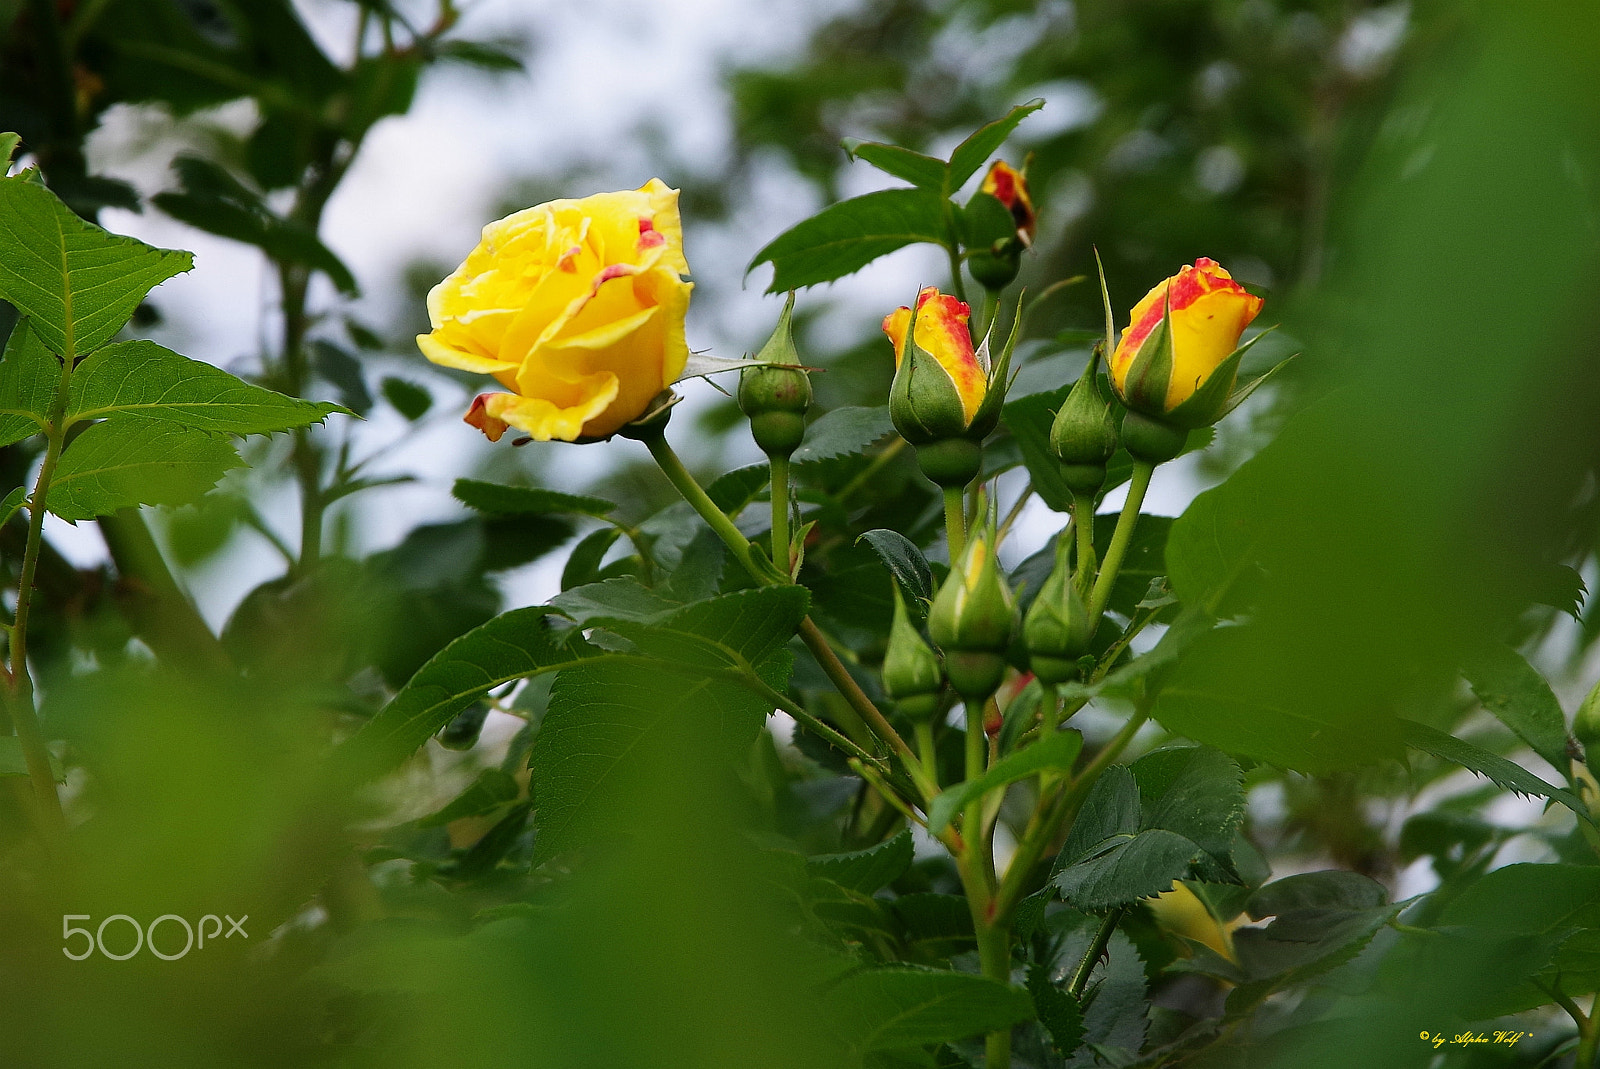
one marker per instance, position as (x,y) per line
(924,404)
(1216,397)
(1144,388)
(987,417)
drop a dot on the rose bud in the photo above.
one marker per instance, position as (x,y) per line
(776,394)
(972,621)
(946,397)
(576,306)
(1084,435)
(911,672)
(1177,363)
(1057,629)
(995,261)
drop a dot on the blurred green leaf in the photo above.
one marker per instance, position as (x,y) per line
(1328,889)
(144,379)
(504,500)
(1029,420)
(583,563)
(1211,556)
(492,789)
(13,762)
(485,55)
(409,399)
(1507,774)
(137,460)
(884,1009)
(845,237)
(77,284)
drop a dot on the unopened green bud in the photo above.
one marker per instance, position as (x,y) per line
(776,394)
(997,267)
(1586,725)
(1084,436)
(911,672)
(1057,629)
(974,614)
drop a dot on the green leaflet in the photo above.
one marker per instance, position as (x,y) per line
(137,460)
(847,236)
(77,283)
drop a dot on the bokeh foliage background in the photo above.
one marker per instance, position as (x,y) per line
(1414,186)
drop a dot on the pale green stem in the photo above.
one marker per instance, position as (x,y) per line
(955,523)
(1083,524)
(994,956)
(691,491)
(1142,470)
(957,286)
(780,512)
(928,751)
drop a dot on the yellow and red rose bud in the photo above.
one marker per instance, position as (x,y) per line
(1057,628)
(776,394)
(576,307)
(972,620)
(1084,435)
(1178,361)
(997,224)
(911,672)
(946,396)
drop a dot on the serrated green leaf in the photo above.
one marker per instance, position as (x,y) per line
(622,598)
(1518,696)
(1507,774)
(492,789)
(1116,1009)
(511,646)
(1055,753)
(845,237)
(1125,869)
(29,376)
(144,379)
(1195,791)
(733,491)
(975,151)
(899,1006)
(866,871)
(844,431)
(525,500)
(1300,944)
(923,171)
(904,561)
(77,283)
(136,460)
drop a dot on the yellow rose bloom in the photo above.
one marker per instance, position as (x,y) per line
(576,306)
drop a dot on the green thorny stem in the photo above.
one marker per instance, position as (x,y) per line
(47,802)
(975,864)
(1142,470)
(692,492)
(955,522)
(780,513)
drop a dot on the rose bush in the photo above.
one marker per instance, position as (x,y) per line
(576,306)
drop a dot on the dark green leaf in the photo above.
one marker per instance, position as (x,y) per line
(614,599)
(1329,889)
(341,370)
(1056,1010)
(842,432)
(583,563)
(12,503)
(14,763)
(1507,774)
(1115,1007)
(1211,553)
(884,1009)
(142,378)
(1029,419)
(734,490)
(975,151)
(1053,754)
(525,500)
(914,167)
(904,561)
(866,870)
(1125,869)
(1195,791)
(1143,562)
(845,237)
(492,789)
(1511,689)
(136,460)
(77,283)
(499,56)
(1110,809)
(409,399)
